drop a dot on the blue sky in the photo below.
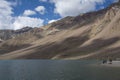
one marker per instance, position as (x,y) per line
(16,14)
(31,5)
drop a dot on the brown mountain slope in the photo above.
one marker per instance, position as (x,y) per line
(93,35)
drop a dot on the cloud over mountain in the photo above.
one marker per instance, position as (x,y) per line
(75,7)
(7,21)
(22,21)
(11,11)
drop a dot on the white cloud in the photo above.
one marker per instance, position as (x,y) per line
(74,7)
(23,21)
(43,0)
(40,9)
(62,7)
(16,2)
(29,12)
(53,20)
(7,21)
(5,15)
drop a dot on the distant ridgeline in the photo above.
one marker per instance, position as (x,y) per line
(9,34)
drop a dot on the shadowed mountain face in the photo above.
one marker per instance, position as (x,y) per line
(94,35)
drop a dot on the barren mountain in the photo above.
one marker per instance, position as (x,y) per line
(94,35)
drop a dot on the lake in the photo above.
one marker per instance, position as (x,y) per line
(56,70)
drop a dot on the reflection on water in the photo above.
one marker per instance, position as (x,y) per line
(56,70)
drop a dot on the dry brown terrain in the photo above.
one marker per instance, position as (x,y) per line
(94,35)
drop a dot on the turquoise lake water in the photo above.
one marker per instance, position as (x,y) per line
(56,70)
